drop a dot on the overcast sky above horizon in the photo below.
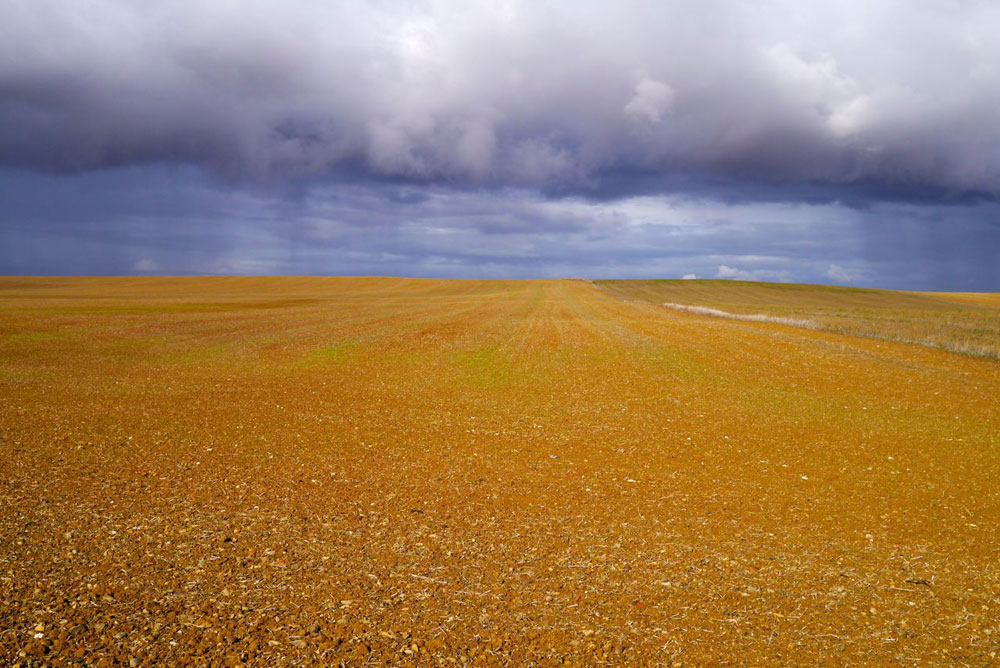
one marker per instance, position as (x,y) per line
(841,142)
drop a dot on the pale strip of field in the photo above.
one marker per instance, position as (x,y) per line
(293,471)
(747,317)
(963,323)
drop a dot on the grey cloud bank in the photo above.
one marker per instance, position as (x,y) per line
(852,142)
(897,94)
(165,220)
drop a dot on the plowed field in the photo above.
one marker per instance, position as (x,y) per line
(289,471)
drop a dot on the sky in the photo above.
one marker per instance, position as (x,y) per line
(848,142)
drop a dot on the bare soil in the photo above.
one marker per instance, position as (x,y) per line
(283,471)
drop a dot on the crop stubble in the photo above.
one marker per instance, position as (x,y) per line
(286,471)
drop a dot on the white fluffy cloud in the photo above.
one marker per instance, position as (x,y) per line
(734,273)
(835,272)
(651,102)
(145,266)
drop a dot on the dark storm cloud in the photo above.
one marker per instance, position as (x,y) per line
(772,101)
(849,142)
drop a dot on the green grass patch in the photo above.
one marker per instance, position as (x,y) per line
(338,353)
(22,338)
(487,366)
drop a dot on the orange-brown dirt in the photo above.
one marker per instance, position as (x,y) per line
(281,471)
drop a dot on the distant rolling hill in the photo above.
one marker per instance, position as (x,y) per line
(966,323)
